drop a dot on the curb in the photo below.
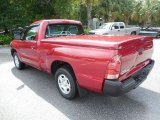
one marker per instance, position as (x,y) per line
(1,46)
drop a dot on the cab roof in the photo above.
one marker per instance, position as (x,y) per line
(58,21)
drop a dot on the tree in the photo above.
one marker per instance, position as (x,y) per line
(146,12)
(137,12)
(110,9)
(3,13)
(149,11)
(89,4)
(15,13)
(23,12)
(127,8)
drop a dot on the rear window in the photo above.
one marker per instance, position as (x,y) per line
(121,25)
(55,30)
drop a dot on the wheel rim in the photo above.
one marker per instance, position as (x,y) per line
(64,84)
(16,61)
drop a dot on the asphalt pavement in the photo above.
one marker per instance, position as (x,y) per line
(32,95)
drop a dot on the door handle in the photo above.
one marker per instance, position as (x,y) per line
(32,47)
(118,30)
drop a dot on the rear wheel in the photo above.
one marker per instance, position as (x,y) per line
(65,82)
(18,64)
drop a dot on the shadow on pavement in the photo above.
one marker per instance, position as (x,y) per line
(134,105)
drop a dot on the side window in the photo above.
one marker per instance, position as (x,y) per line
(116,26)
(30,34)
(121,25)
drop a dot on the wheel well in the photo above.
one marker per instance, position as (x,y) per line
(58,64)
(12,51)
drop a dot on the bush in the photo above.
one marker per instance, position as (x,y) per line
(87,30)
(5,39)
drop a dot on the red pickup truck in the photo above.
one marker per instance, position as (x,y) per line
(102,64)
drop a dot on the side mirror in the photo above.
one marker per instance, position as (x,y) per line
(18,36)
(112,28)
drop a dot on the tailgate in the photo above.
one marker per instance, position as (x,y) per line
(136,54)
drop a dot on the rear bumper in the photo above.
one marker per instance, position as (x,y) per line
(115,87)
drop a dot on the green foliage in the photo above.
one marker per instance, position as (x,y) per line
(109,9)
(5,39)
(19,13)
(86,31)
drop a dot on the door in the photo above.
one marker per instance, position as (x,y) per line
(115,29)
(28,47)
(122,29)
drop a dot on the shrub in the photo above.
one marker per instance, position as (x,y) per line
(5,39)
(87,30)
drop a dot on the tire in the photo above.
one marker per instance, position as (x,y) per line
(133,33)
(66,83)
(18,64)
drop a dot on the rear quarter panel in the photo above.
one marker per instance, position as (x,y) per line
(89,64)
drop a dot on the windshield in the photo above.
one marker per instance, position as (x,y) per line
(104,26)
(55,30)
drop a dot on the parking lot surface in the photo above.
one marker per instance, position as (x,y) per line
(32,95)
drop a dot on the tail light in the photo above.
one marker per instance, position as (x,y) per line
(114,67)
